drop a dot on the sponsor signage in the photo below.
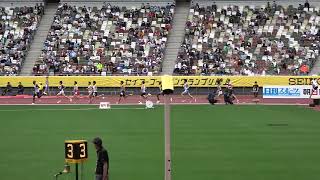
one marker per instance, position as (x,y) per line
(289,92)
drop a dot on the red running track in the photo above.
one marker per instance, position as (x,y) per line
(176,99)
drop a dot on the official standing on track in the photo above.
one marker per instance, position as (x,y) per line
(102,166)
(36,92)
(160,93)
(122,92)
(315,86)
(229,95)
(255,89)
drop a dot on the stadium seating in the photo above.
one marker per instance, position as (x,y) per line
(17,28)
(107,40)
(249,40)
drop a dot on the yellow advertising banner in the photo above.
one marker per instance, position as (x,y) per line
(153,81)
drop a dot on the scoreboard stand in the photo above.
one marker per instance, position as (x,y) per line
(76,151)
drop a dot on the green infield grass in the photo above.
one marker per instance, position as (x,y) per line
(245,143)
(32,146)
(208,142)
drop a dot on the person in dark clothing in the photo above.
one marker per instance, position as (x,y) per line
(255,89)
(212,98)
(214,6)
(307,5)
(102,166)
(7,90)
(20,89)
(229,96)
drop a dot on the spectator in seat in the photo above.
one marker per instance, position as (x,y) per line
(99,67)
(144,71)
(280,44)
(307,5)
(304,69)
(274,5)
(268,8)
(300,7)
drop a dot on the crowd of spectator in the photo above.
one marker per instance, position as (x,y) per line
(250,40)
(17,28)
(107,40)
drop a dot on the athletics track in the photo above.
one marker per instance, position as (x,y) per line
(132,100)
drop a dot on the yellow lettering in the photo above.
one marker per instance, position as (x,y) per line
(70,151)
(82,150)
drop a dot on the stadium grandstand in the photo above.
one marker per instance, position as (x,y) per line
(107,39)
(248,39)
(17,28)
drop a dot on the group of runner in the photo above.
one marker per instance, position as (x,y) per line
(92,91)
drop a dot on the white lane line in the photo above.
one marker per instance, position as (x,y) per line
(136,104)
(14,110)
(74,109)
